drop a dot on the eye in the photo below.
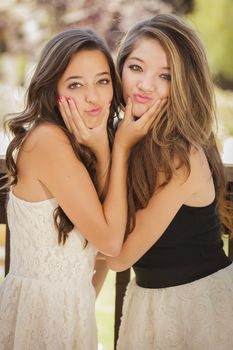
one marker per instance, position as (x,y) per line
(135,68)
(166,77)
(104,81)
(75,85)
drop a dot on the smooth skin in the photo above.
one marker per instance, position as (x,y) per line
(146,73)
(91,90)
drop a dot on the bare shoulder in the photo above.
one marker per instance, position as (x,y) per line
(198,160)
(196,153)
(49,130)
(199,168)
(44,135)
(200,177)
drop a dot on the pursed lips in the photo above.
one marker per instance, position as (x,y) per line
(141,98)
(93,111)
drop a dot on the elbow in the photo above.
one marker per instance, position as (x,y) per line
(115,265)
(116,249)
(111,248)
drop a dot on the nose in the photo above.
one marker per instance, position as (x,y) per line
(147,83)
(91,96)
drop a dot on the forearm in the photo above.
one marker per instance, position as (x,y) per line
(117,263)
(116,198)
(101,270)
(102,171)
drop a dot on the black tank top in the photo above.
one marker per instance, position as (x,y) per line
(191,248)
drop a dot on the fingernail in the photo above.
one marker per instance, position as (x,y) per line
(69,99)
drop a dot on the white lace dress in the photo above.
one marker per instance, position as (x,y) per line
(47,301)
(193,316)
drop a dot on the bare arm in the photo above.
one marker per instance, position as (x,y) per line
(66,179)
(103,158)
(103,172)
(101,270)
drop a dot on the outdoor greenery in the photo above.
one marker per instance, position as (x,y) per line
(105,308)
(23,35)
(214,20)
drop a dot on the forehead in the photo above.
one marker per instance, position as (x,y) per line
(88,61)
(150,51)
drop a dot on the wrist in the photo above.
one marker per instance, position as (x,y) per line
(120,150)
(103,155)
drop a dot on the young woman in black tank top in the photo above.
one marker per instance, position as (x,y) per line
(182,294)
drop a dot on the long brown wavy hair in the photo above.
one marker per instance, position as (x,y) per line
(188,119)
(41,106)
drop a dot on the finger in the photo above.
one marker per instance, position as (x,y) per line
(79,128)
(76,116)
(64,110)
(128,110)
(152,112)
(74,127)
(75,131)
(72,117)
(157,113)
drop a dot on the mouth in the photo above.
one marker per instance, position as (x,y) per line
(141,98)
(94,111)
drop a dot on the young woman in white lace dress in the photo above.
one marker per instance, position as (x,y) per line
(182,295)
(56,170)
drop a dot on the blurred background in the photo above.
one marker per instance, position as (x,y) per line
(25,26)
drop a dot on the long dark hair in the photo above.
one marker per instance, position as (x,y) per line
(41,106)
(188,119)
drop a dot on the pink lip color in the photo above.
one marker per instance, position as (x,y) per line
(93,111)
(141,99)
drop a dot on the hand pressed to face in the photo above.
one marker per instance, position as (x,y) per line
(146,75)
(130,131)
(87,81)
(96,138)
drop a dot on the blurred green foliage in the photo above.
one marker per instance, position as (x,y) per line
(214,21)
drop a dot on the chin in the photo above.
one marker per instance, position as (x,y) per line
(93,123)
(138,111)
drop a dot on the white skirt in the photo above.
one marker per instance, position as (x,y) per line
(38,315)
(193,316)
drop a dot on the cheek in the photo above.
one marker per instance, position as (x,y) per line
(139,109)
(126,84)
(106,97)
(165,91)
(77,98)
(110,95)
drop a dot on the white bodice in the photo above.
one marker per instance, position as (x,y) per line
(35,252)
(47,300)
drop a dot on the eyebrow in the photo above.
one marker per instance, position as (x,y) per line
(81,77)
(140,60)
(136,58)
